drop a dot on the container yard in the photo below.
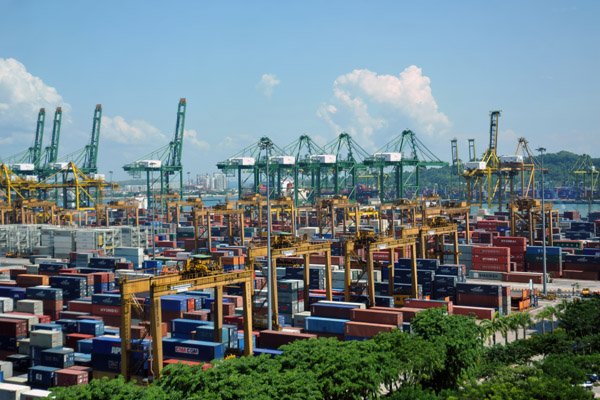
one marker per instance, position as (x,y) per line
(83,302)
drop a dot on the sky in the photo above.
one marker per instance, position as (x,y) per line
(284,69)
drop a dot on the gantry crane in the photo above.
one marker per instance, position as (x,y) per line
(87,158)
(28,161)
(488,166)
(404,151)
(51,151)
(282,246)
(583,167)
(167,160)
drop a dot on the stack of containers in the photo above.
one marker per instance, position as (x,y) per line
(134,255)
(41,340)
(193,350)
(290,298)
(582,266)
(81,260)
(52,299)
(464,257)
(11,331)
(105,263)
(316,277)
(63,242)
(108,306)
(106,355)
(364,324)
(489,262)
(73,287)
(51,268)
(581,231)
(517,246)
(472,294)
(534,260)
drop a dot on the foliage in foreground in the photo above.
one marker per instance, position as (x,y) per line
(444,359)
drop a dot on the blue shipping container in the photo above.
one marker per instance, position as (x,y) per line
(41,376)
(325,325)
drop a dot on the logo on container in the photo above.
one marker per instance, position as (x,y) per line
(115,350)
(186,350)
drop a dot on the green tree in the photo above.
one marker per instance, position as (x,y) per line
(459,335)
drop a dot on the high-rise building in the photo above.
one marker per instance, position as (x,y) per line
(219,181)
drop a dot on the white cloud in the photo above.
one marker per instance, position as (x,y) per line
(191,136)
(267,83)
(396,100)
(118,130)
(22,95)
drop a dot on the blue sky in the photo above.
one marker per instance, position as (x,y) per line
(371,69)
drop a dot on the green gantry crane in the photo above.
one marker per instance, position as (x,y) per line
(86,159)
(166,160)
(28,162)
(404,151)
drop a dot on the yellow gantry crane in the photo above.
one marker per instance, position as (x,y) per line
(489,165)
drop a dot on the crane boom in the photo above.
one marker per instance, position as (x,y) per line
(455,161)
(176,145)
(52,150)
(494,115)
(35,151)
(90,163)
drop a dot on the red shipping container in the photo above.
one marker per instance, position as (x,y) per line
(365,329)
(15,328)
(418,303)
(491,251)
(52,305)
(523,277)
(100,277)
(480,300)
(490,267)
(580,275)
(479,312)
(8,283)
(275,339)
(234,320)
(237,300)
(71,339)
(81,306)
(70,377)
(376,316)
(408,313)
(44,319)
(89,370)
(582,267)
(511,241)
(124,265)
(106,310)
(198,315)
(489,259)
(29,280)
(14,272)
(228,308)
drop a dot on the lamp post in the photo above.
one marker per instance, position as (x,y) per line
(266,144)
(542,150)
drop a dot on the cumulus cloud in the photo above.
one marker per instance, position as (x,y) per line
(117,129)
(21,97)
(267,83)
(191,136)
(406,98)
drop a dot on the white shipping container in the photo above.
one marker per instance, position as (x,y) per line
(8,304)
(35,307)
(323,158)
(388,156)
(9,391)
(7,369)
(60,165)
(35,394)
(150,163)
(512,159)
(22,167)
(475,165)
(247,161)
(283,160)
(45,338)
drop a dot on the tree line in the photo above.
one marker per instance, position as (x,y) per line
(446,357)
